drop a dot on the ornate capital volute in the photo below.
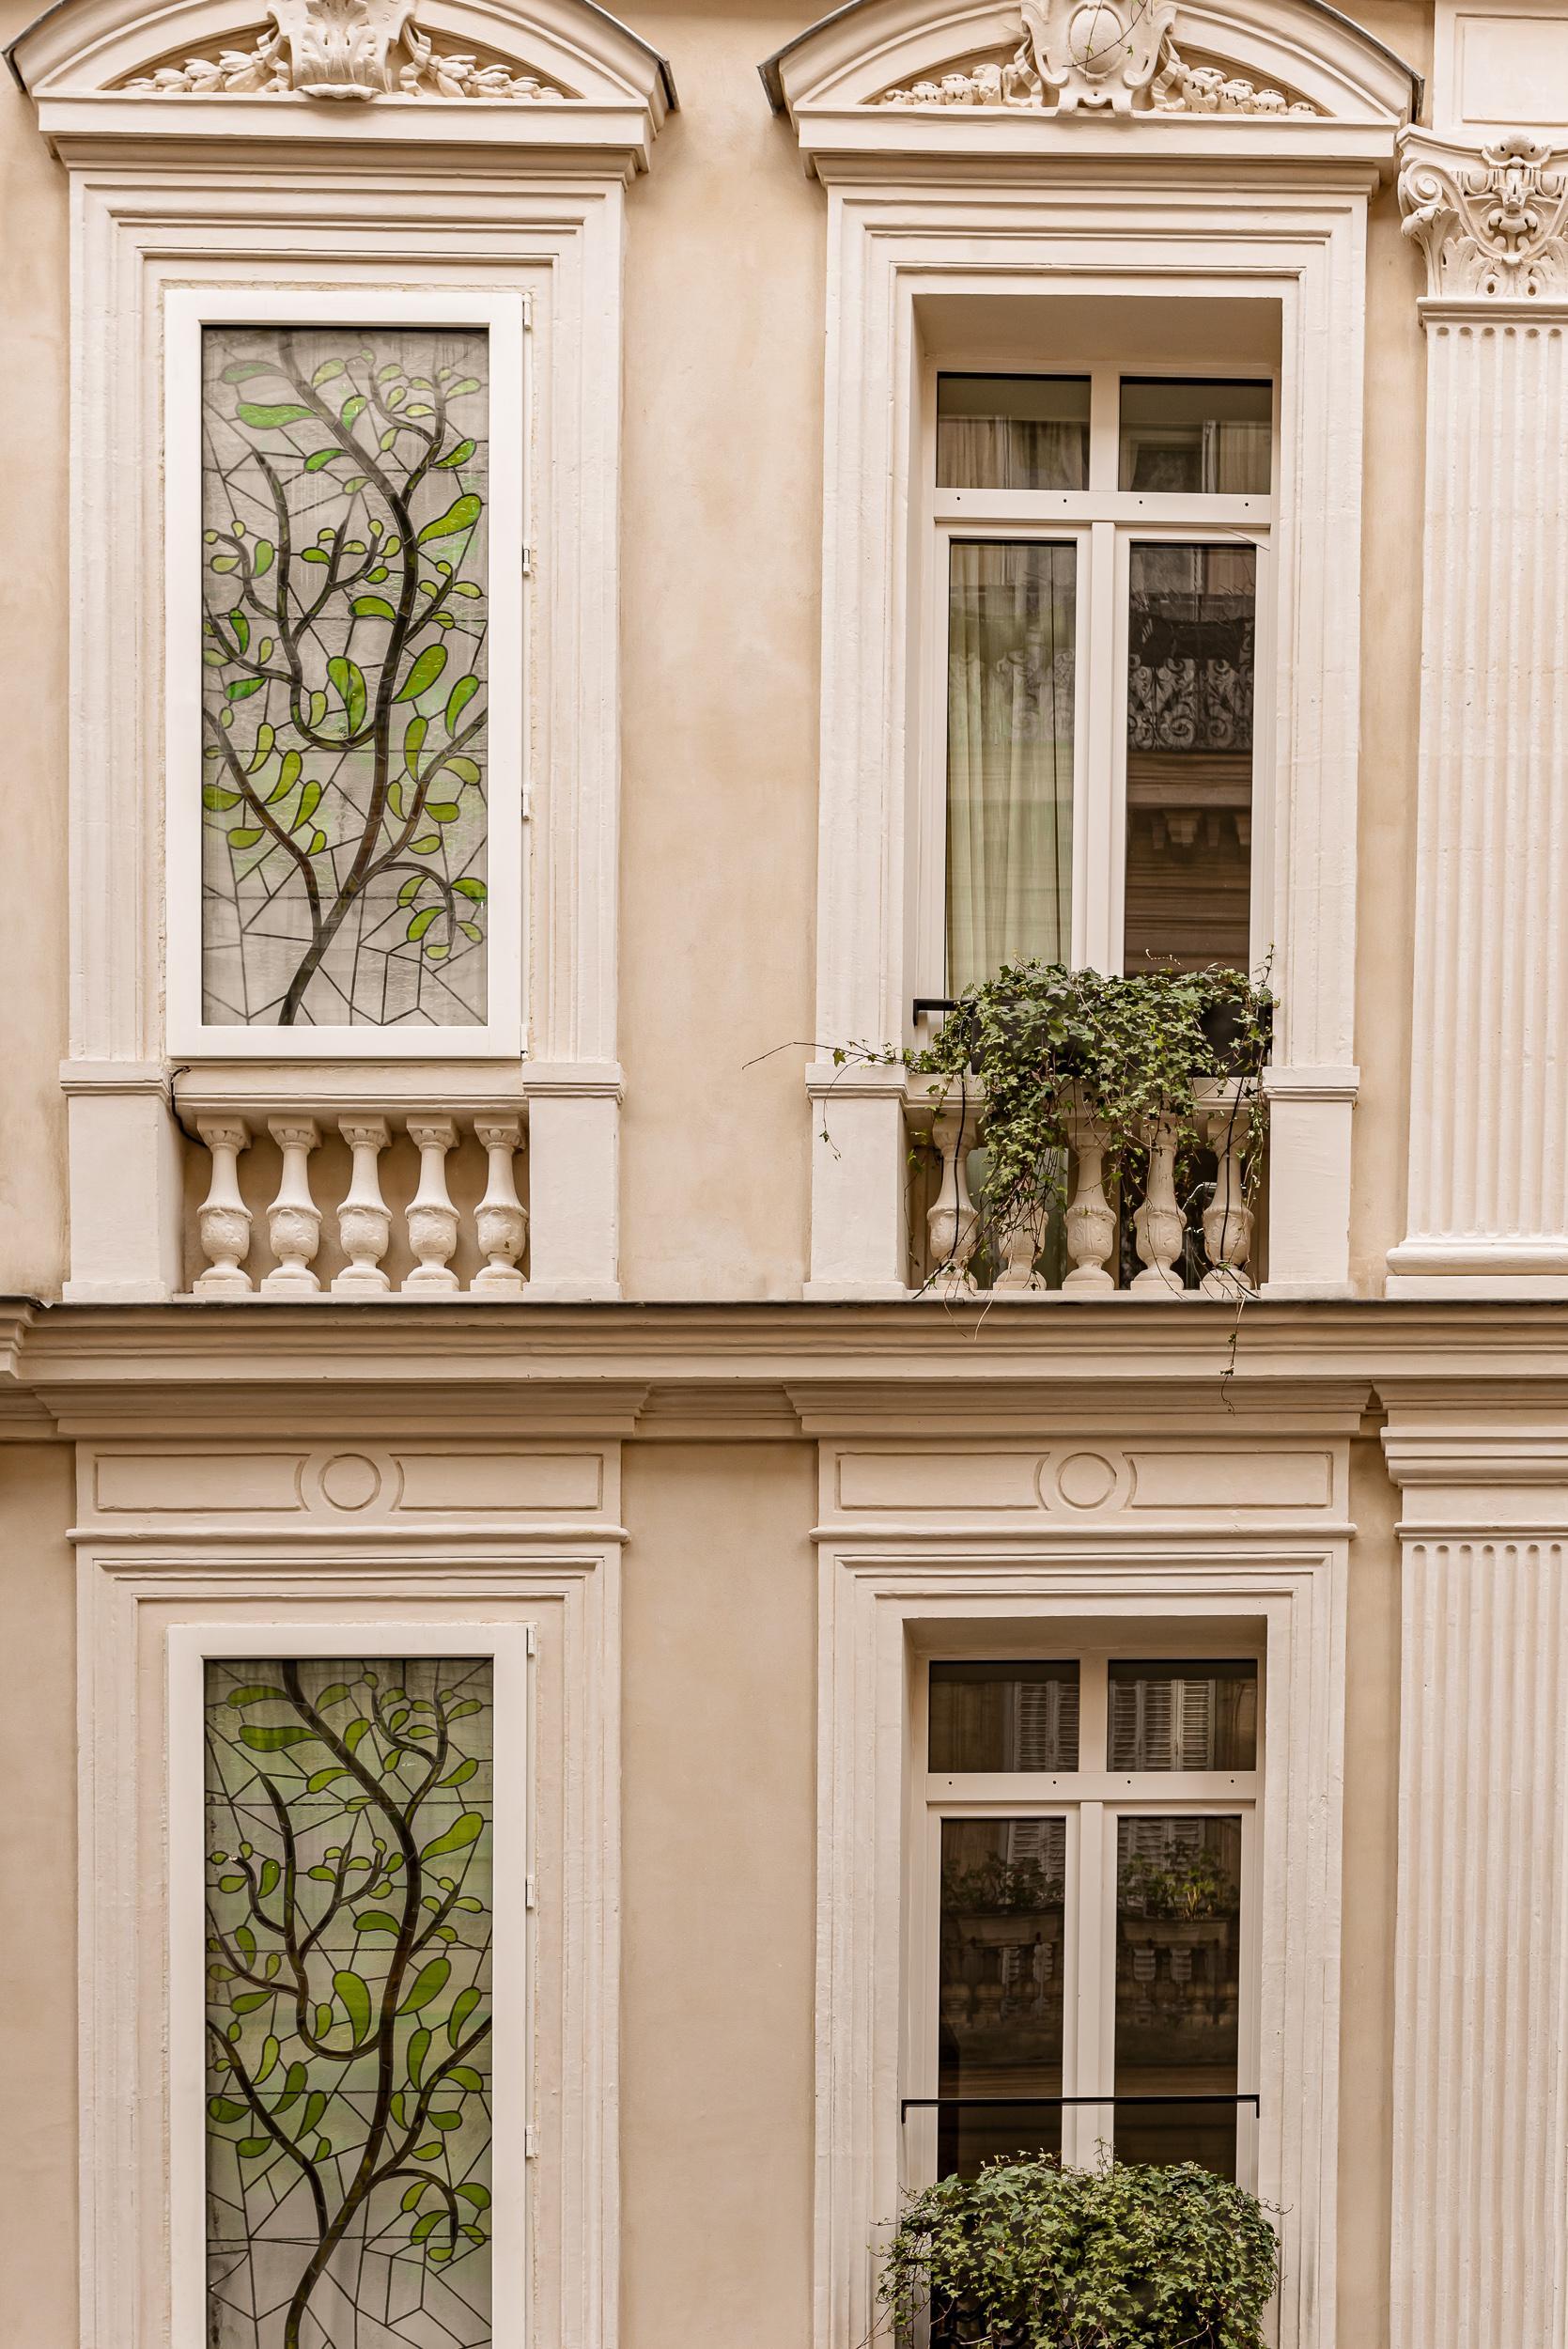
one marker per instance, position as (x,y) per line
(1492,220)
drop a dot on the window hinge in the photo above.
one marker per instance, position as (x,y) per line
(531,1638)
(529,2142)
(531,1892)
(527,561)
(527,310)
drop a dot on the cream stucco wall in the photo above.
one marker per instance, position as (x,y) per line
(33,522)
(37,1867)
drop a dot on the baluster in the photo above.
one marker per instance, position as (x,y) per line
(952,1223)
(432,1218)
(1089,1220)
(224,1221)
(1020,1244)
(501,1221)
(363,1225)
(293,1220)
(1158,1222)
(1228,1219)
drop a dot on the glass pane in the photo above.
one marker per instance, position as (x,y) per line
(1003,1716)
(1000,2033)
(1184,1716)
(344,494)
(1178,1978)
(1010,695)
(1208,437)
(1012,431)
(348,1821)
(1191,633)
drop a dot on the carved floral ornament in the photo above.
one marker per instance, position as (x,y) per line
(1491,223)
(1117,55)
(341,49)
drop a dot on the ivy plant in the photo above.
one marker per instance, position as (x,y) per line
(1043,1043)
(1031,2255)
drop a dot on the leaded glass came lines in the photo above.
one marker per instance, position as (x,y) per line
(344,504)
(350,1811)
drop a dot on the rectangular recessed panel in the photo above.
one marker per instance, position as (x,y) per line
(343,659)
(1232,1480)
(348,1817)
(936,1480)
(455,1481)
(1512,69)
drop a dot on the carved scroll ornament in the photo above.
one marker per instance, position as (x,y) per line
(1105,54)
(1492,224)
(349,49)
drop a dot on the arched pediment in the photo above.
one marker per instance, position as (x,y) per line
(1268,60)
(554,72)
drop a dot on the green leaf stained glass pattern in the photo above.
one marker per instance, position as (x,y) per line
(348,1810)
(345,490)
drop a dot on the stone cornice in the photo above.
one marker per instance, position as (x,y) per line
(757,1371)
(1491,220)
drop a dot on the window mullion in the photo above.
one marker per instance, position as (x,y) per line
(1099,946)
(1086,2070)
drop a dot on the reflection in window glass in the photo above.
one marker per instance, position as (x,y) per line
(1213,438)
(1012,431)
(1003,1716)
(1000,1986)
(1178,1982)
(1191,644)
(1183,1716)
(348,1920)
(1010,711)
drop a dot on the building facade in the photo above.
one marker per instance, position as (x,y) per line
(571,586)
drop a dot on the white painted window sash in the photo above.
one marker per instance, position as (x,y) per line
(509,1647)
(502,315)
(1103,521)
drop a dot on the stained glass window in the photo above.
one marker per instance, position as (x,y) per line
(344,505)
(349,1812)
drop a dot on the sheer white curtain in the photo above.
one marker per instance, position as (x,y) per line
(1010,702)
(1010,453)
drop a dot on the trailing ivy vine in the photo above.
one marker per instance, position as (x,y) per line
(1030,2255)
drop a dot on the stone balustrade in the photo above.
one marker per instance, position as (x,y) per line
(1092,1219)
(488,1236)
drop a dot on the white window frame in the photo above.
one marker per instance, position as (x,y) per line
(1103,521)
(1091,1799)
(189,1645)
(504,318)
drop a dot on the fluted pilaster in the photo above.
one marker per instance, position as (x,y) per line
(1488,1168)
(1480,2212)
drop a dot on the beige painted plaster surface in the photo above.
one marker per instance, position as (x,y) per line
(1367,1953)
(717,1778)
(38,1868)
(721,555)
(34,298)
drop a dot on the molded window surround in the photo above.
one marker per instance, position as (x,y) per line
(255,198)
(886,1609)
(941,218)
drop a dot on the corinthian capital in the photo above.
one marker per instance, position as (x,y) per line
(1492,220)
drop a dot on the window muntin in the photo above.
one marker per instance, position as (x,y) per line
(1018,1715)
(1011,659)
(1013,431)
(345,529)
(1138,1878)
(349,1808)
(1211,438)
(1160,827)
